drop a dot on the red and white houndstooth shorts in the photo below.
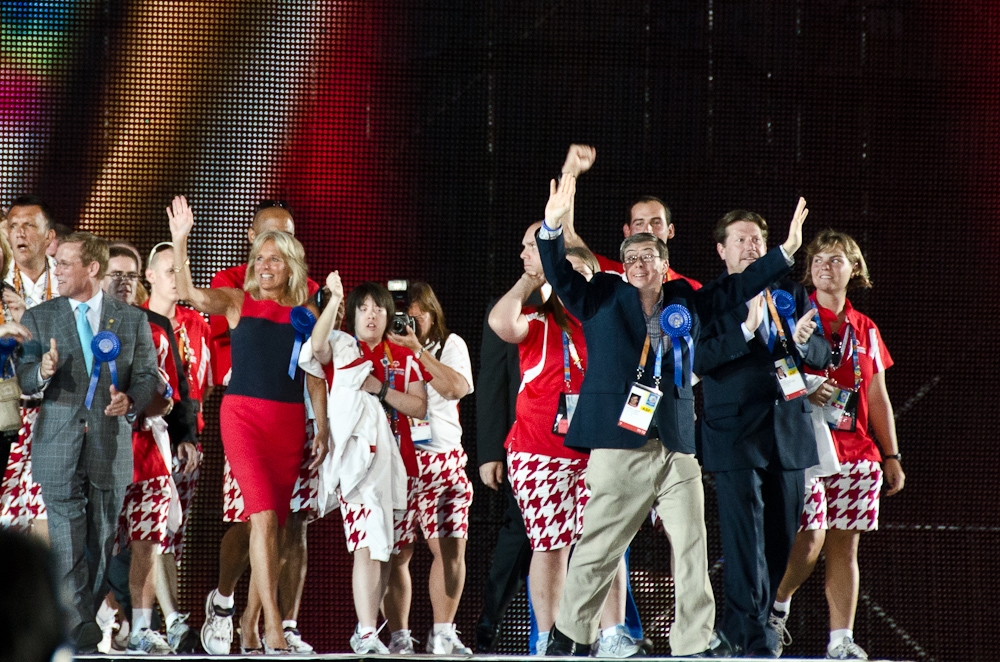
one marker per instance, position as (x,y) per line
(145,512)
(186,485)
(439,498)
(847,501)
(20,496)
(551,493)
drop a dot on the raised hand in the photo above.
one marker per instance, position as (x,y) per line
(334,285)
(794,240)
(560,201)
(181,219)
(804,328)
(50,361)
(579,159)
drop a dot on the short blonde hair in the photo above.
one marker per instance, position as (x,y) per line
(291,250)
(829,240)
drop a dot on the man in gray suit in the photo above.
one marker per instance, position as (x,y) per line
(83,457)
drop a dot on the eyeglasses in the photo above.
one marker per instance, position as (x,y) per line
(124,275)
(646,259)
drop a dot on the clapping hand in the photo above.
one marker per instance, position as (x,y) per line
(755,314)
(15,330)
(15,304)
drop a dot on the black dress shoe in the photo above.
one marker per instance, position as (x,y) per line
(86,636)
(487,636)
(562,646)
(722,648)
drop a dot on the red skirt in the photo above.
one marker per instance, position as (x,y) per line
(263,440)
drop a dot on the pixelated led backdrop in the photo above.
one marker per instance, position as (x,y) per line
(415,139)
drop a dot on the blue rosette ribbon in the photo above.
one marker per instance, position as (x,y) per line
(106,346)
(303,322)
(675,320)
(7,346)
(784,303)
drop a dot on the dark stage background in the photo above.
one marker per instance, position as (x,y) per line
(415,139)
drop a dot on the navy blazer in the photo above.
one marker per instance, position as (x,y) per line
(747,423)
(615,328)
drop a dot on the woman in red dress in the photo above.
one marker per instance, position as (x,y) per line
(261,401)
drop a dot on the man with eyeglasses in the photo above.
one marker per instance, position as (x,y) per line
(638,462)
(30,280)
(83,454)
(234,555)
(152,505)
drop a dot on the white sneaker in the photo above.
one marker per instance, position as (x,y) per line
(446,643)
(619,645)
(777,621)
(119,643)
(180,637)
(106,621)
(846,650)
(369,644)
(541,644)
(148,642)
(217,632)
(295,643)
(401,643)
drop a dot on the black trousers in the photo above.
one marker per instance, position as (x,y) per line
(511,561)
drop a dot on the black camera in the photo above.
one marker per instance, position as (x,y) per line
(400,291)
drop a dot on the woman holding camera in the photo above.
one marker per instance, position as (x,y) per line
(397,380)
(441,493)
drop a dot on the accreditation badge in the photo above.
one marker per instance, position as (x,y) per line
(841,410)
(420,430)
(637,415)
(789,378)
(564,413)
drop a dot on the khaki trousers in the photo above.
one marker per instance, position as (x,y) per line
(625,483)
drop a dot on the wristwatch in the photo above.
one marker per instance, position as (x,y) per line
(898,457)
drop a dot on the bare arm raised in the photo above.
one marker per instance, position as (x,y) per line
(215,301)
(327,319)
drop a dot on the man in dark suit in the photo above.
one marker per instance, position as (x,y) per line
(496,393)
(630,472)
(83,457)
(755,441)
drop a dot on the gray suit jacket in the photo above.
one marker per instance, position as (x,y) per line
(58,448)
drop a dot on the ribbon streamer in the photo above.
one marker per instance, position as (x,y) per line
(675,320)
(303,322)
(106,347)
(7,346)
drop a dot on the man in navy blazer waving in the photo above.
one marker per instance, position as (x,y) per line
(755,440)
(630,472)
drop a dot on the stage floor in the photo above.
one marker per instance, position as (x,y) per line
(382,658)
